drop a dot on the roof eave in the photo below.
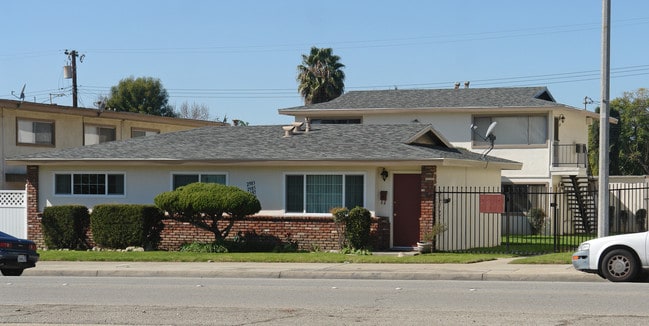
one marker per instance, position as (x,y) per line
(370,111)
(260,162)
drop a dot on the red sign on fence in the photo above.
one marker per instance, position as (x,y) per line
(492,203)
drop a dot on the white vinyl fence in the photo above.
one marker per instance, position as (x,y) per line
(13,212)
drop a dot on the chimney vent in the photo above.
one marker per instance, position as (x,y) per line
(288,130)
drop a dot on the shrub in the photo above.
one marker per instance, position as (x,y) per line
(204,204)
(251,241)
(536,217)
(212,247)
(340,215)
(121,225)
(357,228)
(64,227)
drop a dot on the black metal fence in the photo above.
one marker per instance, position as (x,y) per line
(531,219)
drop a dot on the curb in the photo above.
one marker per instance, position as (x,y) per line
(490,271)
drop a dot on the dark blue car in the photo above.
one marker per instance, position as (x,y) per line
(16,255)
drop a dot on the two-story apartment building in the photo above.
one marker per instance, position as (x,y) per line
(549,138)
(27,127)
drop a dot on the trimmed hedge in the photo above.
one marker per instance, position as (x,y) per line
(64,227)
(358,227)
(123,225)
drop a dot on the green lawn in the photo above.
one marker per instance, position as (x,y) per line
(309,257)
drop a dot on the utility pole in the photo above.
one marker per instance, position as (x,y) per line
(73,54)
(603,198)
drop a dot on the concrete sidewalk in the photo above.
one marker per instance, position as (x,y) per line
(496,270)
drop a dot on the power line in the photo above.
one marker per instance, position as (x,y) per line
(352,44)
(275,93)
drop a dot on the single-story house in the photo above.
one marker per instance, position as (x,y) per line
(298,172)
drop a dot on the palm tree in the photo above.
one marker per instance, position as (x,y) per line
(320,76)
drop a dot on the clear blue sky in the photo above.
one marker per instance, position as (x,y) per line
(239,57)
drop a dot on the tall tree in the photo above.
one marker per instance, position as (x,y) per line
(194,111)
(320,76)
(629,142)
(197,112)
(141,95)
(614,148)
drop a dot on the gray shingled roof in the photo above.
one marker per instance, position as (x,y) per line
(267,143)
(438,98)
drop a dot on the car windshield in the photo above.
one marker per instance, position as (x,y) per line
(4,235)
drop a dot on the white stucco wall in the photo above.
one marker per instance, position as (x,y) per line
(142,184)
(468,177)
(537,159)
(452,126)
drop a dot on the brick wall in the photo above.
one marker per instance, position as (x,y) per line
(34,230)
(428,183)
(309,232)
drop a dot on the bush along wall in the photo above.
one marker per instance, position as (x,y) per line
(119,226)
(358,227)
(64,227)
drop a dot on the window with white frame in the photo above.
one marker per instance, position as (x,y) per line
(89,184)
(319,193)
(34,132)
(143,132)
(513,130)
(98,134)
(183,179)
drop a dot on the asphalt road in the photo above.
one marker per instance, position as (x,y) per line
(253,301)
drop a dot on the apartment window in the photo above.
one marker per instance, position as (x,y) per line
(98,134)
(513,130)
(34,132)
(183,179)
(89,184)
(143,132)
(319,193)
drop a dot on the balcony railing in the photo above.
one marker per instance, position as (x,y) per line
(570,155)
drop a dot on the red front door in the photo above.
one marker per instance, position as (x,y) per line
(407,209)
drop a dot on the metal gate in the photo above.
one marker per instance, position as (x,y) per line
(13,212)
(534,220)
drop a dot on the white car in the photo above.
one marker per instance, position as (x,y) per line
(618,258)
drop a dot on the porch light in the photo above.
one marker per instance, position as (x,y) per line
(384,174)
(562,118)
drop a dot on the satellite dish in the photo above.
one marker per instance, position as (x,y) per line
(101,105)
(488,137)
(22,92)
(491,129)
(21,96)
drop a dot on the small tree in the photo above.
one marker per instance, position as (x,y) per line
(536,217)
(204,205)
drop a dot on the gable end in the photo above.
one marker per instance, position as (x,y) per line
(428,137)
(545,95)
